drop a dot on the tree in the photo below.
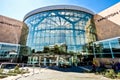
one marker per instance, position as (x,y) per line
(71,53)
(56,49)
(63,49)
(33,50)
(46,49)
(39,52)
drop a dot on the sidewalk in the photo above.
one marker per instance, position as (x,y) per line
(49,74)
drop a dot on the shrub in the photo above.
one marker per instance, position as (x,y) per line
(110,73)
(118,75)
(23,71)
(16,68)
(10,71)
(11,74)
(3,76)
(1,71)
(17,71)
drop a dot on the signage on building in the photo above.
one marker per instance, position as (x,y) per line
(109,16)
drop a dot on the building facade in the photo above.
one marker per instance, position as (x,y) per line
(9,52)
(108,48)
(13,35)
(11,31)
(107,22)
(107,25)
(60,24)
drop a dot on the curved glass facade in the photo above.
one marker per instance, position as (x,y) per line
(58,27)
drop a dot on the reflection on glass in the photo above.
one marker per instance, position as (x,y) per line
(58,27)
(108,48)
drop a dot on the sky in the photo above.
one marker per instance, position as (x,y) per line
(17,9)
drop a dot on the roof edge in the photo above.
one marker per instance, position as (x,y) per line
(55,7)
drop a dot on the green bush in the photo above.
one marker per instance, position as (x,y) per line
(23,71)
(110,73)
(11,74)
(20,71)
(16,68)
(10,71)
(1,71)
(118,75)
(17,71)
(3,76)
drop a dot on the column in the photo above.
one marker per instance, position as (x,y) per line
(44,61)
(111,50)
(57,60)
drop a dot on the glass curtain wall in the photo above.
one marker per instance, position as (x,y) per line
(57,27)
(107,48)
(8,50)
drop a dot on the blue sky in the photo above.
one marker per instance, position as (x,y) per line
(18,8)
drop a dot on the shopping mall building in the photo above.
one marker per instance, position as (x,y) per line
(13,36)
(61,24)
(107,25)
(79,29)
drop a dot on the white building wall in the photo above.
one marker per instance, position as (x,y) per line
(112,13)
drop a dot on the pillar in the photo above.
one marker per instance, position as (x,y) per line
(44,61)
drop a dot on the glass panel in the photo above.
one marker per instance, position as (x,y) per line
(57,26)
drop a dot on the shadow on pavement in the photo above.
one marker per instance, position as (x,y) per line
(78,69)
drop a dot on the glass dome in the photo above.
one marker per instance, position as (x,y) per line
(57,26)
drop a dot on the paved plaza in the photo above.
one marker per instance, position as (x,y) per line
(54,74)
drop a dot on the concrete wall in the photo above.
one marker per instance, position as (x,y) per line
(10,30)
(107,23)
